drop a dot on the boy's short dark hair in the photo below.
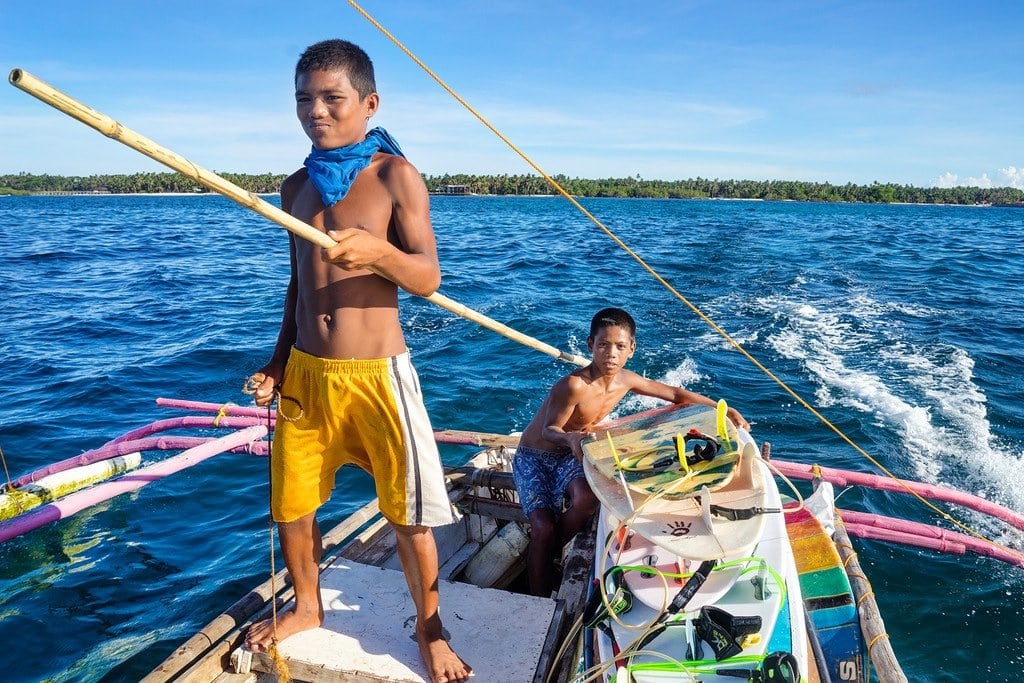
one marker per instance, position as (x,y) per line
(339,55)
(612,317)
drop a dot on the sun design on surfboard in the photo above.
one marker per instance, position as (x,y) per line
(679,528)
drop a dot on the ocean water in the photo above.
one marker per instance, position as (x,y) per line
(902,324)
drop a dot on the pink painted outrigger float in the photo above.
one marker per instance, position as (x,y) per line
(248,426)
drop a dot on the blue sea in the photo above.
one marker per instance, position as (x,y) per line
(903,325)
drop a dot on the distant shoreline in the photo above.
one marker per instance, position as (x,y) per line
(55,195)
(268,184)
(525,196)
(129,194)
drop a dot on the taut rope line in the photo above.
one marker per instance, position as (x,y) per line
(280,665)
(725,335)
(112,129)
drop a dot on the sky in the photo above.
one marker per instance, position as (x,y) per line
(919,93)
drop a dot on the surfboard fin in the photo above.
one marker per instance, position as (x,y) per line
(722,422)
(705,509)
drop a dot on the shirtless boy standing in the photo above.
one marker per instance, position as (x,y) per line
(347,392)
(547,463)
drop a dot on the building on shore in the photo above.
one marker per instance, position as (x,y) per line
(453,190)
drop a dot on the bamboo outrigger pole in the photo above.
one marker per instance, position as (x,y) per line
(112,129)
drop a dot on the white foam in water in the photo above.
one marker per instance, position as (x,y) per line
(684,375)
(922,390)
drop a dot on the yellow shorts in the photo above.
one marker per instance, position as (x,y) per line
(368,413)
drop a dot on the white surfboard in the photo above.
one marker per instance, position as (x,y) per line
(684,509)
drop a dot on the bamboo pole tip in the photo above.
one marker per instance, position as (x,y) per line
(15,76)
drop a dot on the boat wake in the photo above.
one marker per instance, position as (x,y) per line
(862,355)
(683,375)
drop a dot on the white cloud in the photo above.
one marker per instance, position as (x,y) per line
(1011,176)
(984,181)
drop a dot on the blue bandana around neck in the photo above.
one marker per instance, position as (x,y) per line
(332,171)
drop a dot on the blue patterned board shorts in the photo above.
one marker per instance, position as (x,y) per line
(542,477)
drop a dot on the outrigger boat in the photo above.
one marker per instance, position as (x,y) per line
(696,568)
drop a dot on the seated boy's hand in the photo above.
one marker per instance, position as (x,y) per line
(737,419)
(576,440)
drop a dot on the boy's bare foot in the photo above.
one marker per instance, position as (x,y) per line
(443,664)
(260,635)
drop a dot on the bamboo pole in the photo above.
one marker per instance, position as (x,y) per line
(462,437)
(880,652)
(43,91)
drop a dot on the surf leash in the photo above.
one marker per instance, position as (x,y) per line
(685,594)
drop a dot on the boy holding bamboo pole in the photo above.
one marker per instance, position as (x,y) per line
(347,391)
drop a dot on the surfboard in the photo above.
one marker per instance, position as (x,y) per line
(761,588)
(708,510)
(646,453)
(653,575)
(828,596)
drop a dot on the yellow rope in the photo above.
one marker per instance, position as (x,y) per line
(17,497)
(223,412)
(7,473)
(859,577)
(871,646)
(280,665)
(725,335)
(866,595)
(875,640)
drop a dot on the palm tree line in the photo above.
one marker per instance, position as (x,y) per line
(636,187)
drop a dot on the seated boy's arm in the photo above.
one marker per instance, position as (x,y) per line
(678,395)
(559,408)
(410,258)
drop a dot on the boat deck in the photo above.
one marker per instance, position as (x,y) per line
(368,630)
(369,616)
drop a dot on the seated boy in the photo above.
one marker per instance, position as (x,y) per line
(548,462)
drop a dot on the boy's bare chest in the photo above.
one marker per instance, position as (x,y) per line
(596,406)
(354,211)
